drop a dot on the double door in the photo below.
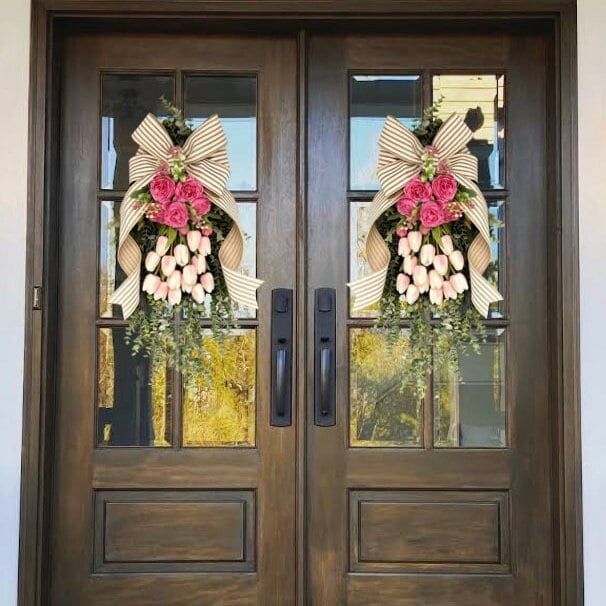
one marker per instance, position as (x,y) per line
(179,490)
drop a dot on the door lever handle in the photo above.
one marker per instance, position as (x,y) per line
(281,357)
(325,393)
(325,361)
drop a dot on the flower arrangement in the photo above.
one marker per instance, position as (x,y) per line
(178,227)
(431,225)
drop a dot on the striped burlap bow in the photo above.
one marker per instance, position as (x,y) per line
(400,160)
(205,156)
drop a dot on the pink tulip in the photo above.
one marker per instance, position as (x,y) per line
(151,283)
(151,260)
(207,281)
(181,254)
(199,262)
(414,240)
(440,262)
(193,239)
(402,282)
(427,254)
(447,245)
(449,291)
(190,275)
(419,275)
(161,292)
(168,265)
(459,283)
(436,296)
(423,288)
(409,264)
(412,294)
(457,259)
(204,248)
(162,245)
(198,294)
(435,279)
(403,247)
(174,280)
(186,287)
(174,296)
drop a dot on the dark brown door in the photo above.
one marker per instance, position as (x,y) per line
(169,491)
(444,501)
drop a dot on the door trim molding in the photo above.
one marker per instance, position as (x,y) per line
(49,20)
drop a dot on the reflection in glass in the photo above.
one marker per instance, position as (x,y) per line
(219,408)
(358,265)
(383,411)
(234,99)
(495,272)
(247,214)
(470,412)
(126,100)
(372,99)
(110,273)
(133,395)
(480,100)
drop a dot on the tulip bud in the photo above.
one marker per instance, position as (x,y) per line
(440,262)
(174,280)
(174,296)
(190,275)
(423,288)
(199,262)
(459,283)
(427,254)
(403,247)
(181,254)
(449,291)
(208,282)
(162,245)
(198,294)
(402,282)
(419,275)
(204,248)
(151,283)
(151,260)
(161,292)
(168,265)
(436,296)
(447,245)
(457,260)
(193,239)
(414,240)
(186,287)
(435,279)
(409,264)
(412,294)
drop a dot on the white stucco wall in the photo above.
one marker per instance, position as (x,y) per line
(14,49)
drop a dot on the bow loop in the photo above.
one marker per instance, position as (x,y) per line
(152,138)
(452,137)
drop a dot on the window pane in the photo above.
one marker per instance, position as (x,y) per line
(247,214)
(133,395)
(219,409)
(234,99)
(470,411)
(383,410)
(110,273)
(126,100)
(495,272)
(373,98)
(480,100)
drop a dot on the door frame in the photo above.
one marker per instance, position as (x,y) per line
(51,18)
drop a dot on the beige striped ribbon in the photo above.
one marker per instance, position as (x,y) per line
(399,161)
(205,155)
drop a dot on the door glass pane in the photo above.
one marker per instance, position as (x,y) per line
(133,395)
(126,99)
(470,411)
(219,408)
(234,99)
(110,273)
(480,100)
(383,409)
(372,99)
(495,272)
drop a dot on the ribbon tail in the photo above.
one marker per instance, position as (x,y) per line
(483,293)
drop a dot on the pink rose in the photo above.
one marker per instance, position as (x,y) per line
(162,188)
(417,190)
(188,190)
(431,215)
(175,215)
(201,205)
(444,188)
(405,206)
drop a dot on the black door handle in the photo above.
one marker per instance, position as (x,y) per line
(325,393)
(281,357)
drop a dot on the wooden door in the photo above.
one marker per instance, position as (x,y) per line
(167,490)
(445,501)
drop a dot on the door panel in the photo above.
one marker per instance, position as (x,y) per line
(166,491)
(443,501)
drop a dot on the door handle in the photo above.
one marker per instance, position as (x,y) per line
(281,357)
(325,394)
